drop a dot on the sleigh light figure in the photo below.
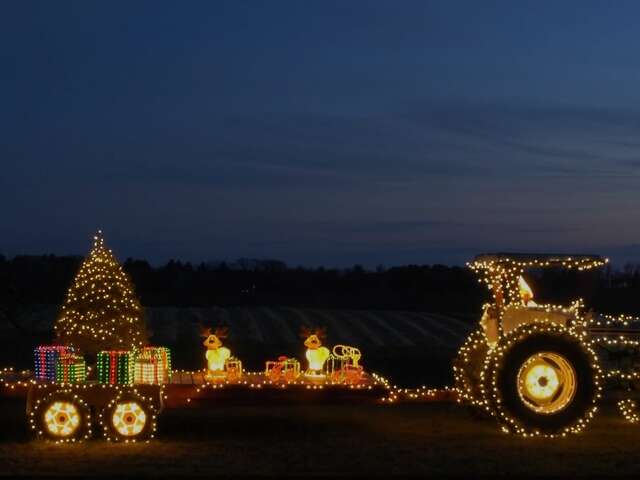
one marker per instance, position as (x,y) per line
(345,366)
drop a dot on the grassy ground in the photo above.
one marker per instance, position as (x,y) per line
(427,439)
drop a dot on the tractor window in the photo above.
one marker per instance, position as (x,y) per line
(560,286)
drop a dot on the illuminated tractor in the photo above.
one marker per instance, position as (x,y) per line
(539,368)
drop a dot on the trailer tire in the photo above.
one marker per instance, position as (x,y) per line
(61,416)
(129,418)
(542,380)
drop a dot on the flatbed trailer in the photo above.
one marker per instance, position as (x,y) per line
(75,412)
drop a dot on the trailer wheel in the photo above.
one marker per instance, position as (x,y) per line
(542,380)
(61,416)
(128,418)
(467,368)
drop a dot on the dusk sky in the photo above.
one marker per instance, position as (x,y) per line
(320,132)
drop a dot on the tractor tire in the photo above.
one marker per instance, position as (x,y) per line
(542,379)
(61,416)
(467,368)
(129,418)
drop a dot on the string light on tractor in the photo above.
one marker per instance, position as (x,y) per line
(467,369)
(629,410)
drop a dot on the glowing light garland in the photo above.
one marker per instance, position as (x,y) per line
(258,380)
(629,410)
(470,357)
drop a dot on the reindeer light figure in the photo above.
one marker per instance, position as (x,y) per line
(216,354)
(316,354)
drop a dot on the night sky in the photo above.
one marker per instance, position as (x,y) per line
(320,132)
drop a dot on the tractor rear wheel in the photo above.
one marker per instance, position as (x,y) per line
(542,380)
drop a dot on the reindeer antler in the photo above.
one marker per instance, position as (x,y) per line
(222,332)
(305,331)
(205,332)
(320,332)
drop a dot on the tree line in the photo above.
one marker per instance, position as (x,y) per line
(44,280)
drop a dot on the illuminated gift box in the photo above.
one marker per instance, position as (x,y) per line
(46,359)
(233,369)
(153,366)
(284,368)
(71,368)
(115,367)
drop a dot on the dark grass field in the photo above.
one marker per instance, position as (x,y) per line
(372,440)
(315,439)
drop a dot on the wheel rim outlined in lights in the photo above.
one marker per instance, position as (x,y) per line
(547,382)
(62,419)
(129,419)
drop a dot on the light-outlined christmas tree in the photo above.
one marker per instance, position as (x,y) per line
(101,311)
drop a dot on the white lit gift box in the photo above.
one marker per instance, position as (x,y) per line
(152,366)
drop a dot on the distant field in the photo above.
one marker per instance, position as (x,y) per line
(412,348)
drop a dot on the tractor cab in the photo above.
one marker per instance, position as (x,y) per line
(514,301)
